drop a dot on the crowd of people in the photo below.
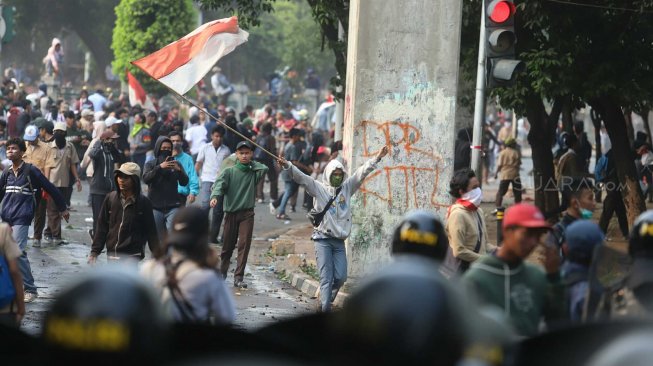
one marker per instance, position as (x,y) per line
(142,166)
(167,179)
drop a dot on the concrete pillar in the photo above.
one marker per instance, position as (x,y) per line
(402,77)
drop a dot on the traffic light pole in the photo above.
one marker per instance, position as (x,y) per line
(479,105)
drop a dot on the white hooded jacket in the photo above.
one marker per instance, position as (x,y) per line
(337,220)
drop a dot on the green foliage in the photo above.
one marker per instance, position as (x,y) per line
(311,271)
(296,37)
(38,21)
(249,12)
(577,51)
(144,26)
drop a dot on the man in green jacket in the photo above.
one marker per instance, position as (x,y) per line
(238,186)
(522,290)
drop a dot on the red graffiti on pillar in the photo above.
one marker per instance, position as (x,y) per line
(400,182)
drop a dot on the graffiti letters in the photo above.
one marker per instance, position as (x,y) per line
(413,184)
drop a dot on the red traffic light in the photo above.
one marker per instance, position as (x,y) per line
(500,11)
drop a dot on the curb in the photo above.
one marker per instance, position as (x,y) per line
(299,280)
(311,287)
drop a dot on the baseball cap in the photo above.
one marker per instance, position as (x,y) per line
(87,112)
(188,226)
(130,169)
(60,126)
(244,144)
(524,215)
(31,133)
(111,120)
(582,237)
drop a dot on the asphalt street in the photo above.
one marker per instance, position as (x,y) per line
(266,300)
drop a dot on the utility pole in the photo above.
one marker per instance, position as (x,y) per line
(340,103)
(479,105)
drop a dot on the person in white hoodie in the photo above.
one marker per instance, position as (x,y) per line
(330,233)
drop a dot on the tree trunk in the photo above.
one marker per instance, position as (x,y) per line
(596,121)
(100,50)
(644,115)
(567,116)
(630,130)
(615,124)
(540,137)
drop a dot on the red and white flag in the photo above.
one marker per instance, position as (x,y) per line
(183,63)
(137,95)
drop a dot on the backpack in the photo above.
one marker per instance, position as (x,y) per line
(601,169)
(7,290)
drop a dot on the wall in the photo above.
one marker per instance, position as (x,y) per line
(401,91)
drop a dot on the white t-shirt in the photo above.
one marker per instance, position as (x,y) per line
(98,101)
(196,137)
(203,288)
(211,159)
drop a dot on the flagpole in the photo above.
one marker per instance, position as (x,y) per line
(220,121)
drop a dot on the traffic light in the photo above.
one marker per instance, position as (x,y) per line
(502,67)
(7,20)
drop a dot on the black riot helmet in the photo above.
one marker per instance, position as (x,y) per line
(641,237)
(406,314)
(640,248)
(420,232)
(111,315)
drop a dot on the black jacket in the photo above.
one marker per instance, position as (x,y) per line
(462,148)
(162,183)
(125,230)
(123,133)
(104,162)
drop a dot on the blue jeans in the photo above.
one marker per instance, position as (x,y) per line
(19,233)
(290,188)
(163,221)
(332,264)
(205,194)
(216,215)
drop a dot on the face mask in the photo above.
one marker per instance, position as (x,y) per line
(474,196)
(177,146)
(164,154)
(336,180)
(60,140)
(585,214)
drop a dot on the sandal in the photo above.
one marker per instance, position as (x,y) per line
(283,217)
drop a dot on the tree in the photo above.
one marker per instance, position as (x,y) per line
(38,21)
(576,55)
(287,36)
(144,26)
(326,13)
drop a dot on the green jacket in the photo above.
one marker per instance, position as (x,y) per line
(531,293)
(239,187)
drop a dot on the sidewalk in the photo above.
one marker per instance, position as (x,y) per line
(295,261)
(292,253)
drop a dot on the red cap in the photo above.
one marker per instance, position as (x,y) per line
(525,215)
